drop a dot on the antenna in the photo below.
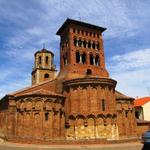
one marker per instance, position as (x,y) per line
(43,45)
(148,89)
(79,16)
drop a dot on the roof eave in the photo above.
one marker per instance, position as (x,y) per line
(69,21)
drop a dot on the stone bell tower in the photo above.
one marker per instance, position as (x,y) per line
(44,68)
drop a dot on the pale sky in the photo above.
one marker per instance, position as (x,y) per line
(26,24)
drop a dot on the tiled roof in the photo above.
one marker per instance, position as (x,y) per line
(76,22)
(43,50)
(120,96)
(33,87)
(43,92)
(141,101)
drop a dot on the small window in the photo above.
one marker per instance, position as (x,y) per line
(75,42)
(78,31)
(94,34)
(91,59)
(77,57)
(65,59)
(46,75)
(97,60)
(84,58)
(90,33)
(74,30)
(98,46)
(93,45)
(84,44)
(126,114)
(82,32)
(46,60)
(88,72)
(40,60)
(103,105)
(137,114)
(46,116)
(80,43)
(89,44)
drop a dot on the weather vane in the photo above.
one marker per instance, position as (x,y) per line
(79,16)
(43,45)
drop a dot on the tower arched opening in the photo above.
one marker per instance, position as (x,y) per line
(83,58)
(77,57)
(46,75)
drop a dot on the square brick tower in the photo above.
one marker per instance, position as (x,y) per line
(81,50)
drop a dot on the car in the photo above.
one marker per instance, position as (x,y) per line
(146,138)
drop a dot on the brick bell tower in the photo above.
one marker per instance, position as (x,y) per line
(81,50)
(44,68)
(90,103)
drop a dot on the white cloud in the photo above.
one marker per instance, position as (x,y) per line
(132,70)
(131,60)
(19,82)
(133,83)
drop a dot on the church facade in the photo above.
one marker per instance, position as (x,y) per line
(80,103)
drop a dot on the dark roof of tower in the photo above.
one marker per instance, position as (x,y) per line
(44,50)
(76,22)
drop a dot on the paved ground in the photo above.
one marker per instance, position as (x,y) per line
(125,146)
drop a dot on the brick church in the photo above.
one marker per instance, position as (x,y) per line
(78,103)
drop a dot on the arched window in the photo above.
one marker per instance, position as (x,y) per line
(89,44)
(90,33)
(75,42)
(74,30)
(97,60)
(98,46)
(84,58)
(46,75)
(89,72)
(40,60)
(46,59)
(65,61)
(82,32)
(94,34)
(78,31)
(91,59)
(84,43)
(103,105)
(46,116)
(80,43)
(93,45)
(77,57)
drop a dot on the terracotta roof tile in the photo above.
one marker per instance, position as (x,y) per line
(43,92)
(141,101)
(27,89)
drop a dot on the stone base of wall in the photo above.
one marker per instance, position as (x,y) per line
(75,142)
(92,132)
